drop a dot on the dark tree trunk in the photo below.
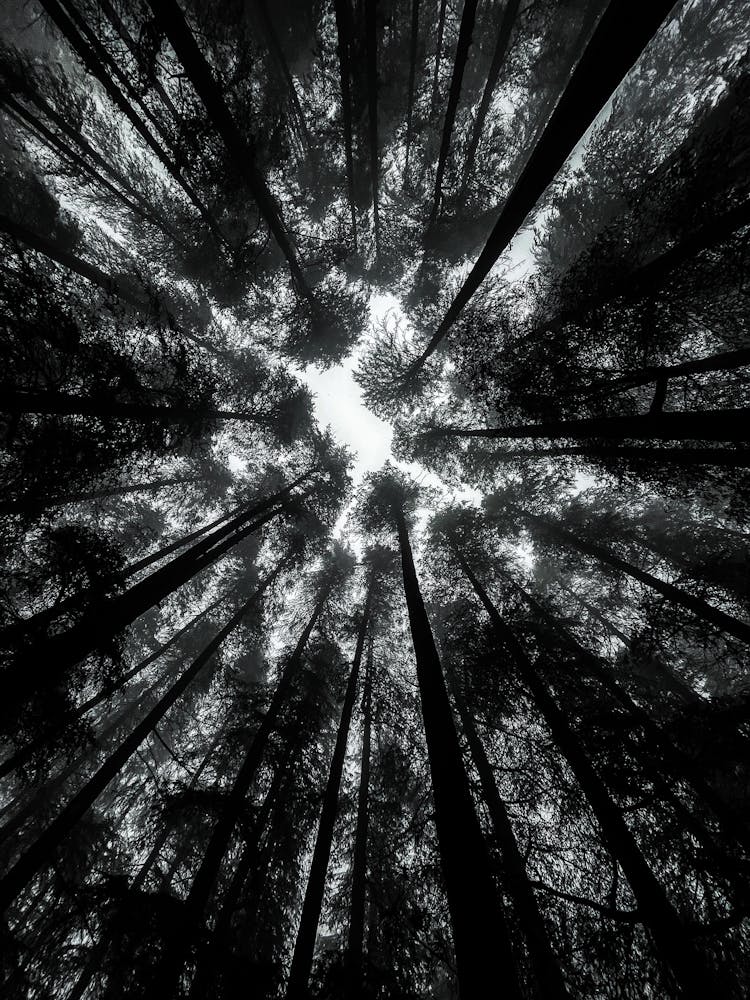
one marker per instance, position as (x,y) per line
(53,403)
(206,963)
(462,54)
(507,21)
(99,626)
(42,852)
(410,91)
(278,53)
(25,753)
(86,496)
(353,957)
(371,49)
(682,457)
(438,56)
(696,605)
(99,950)
(181,937)
(304,946)
(94,66)
(480,936)
(545,965)
(617,41)
(656,911)
(645,280)
(727,361)
(344,33)
(172,22)
(706,425)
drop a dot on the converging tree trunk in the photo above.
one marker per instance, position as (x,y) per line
(345,32)
(480,936)
(459,64)
(696,605)
(615,44)
(507,20)
(304,946)
(353,956)
(42,852)
(669,933)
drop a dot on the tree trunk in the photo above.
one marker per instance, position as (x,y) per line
(371,48)
(438,56)
(53,403)
(278,54)
(99,626)
(94,66)
(410,91)
(99,950)
(617,41)
(480,936)
(304,947)
(353,977)
(172,22)
(42,852)
(203,984)
(706,425)
(664,923)
(344,34)
(182,936)
(696,605)
(86,496)
(25,753)
(462,54)
(688,458)
(726,361)
(544,962)
(507,21)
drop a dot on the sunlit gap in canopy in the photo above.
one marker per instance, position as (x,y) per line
(338,404)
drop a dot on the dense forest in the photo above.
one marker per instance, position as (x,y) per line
(474,722)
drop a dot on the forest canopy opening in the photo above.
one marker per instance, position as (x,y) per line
(374,499)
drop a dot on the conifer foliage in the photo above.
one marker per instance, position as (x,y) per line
(277,721)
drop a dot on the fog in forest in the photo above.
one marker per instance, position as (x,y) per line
(375,500)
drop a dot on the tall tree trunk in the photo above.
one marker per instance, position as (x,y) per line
(353,957)
(670,936)
(304,946)
(696,605)
(53,403)
(660,746)
(344,31)
(688,458)
(706,425)
(462,54)
(546,968)
(25,753)
(183,935)
(410,91)
(438,56)
(726,361)
(99,950)
(646,279)
(480,936)
(172,22)
(42,852)
(99,626)
(371,50)
(86,496)
(133,200)
(94,66)
(203,985)
(507,21)
(278,54)
(617,41)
